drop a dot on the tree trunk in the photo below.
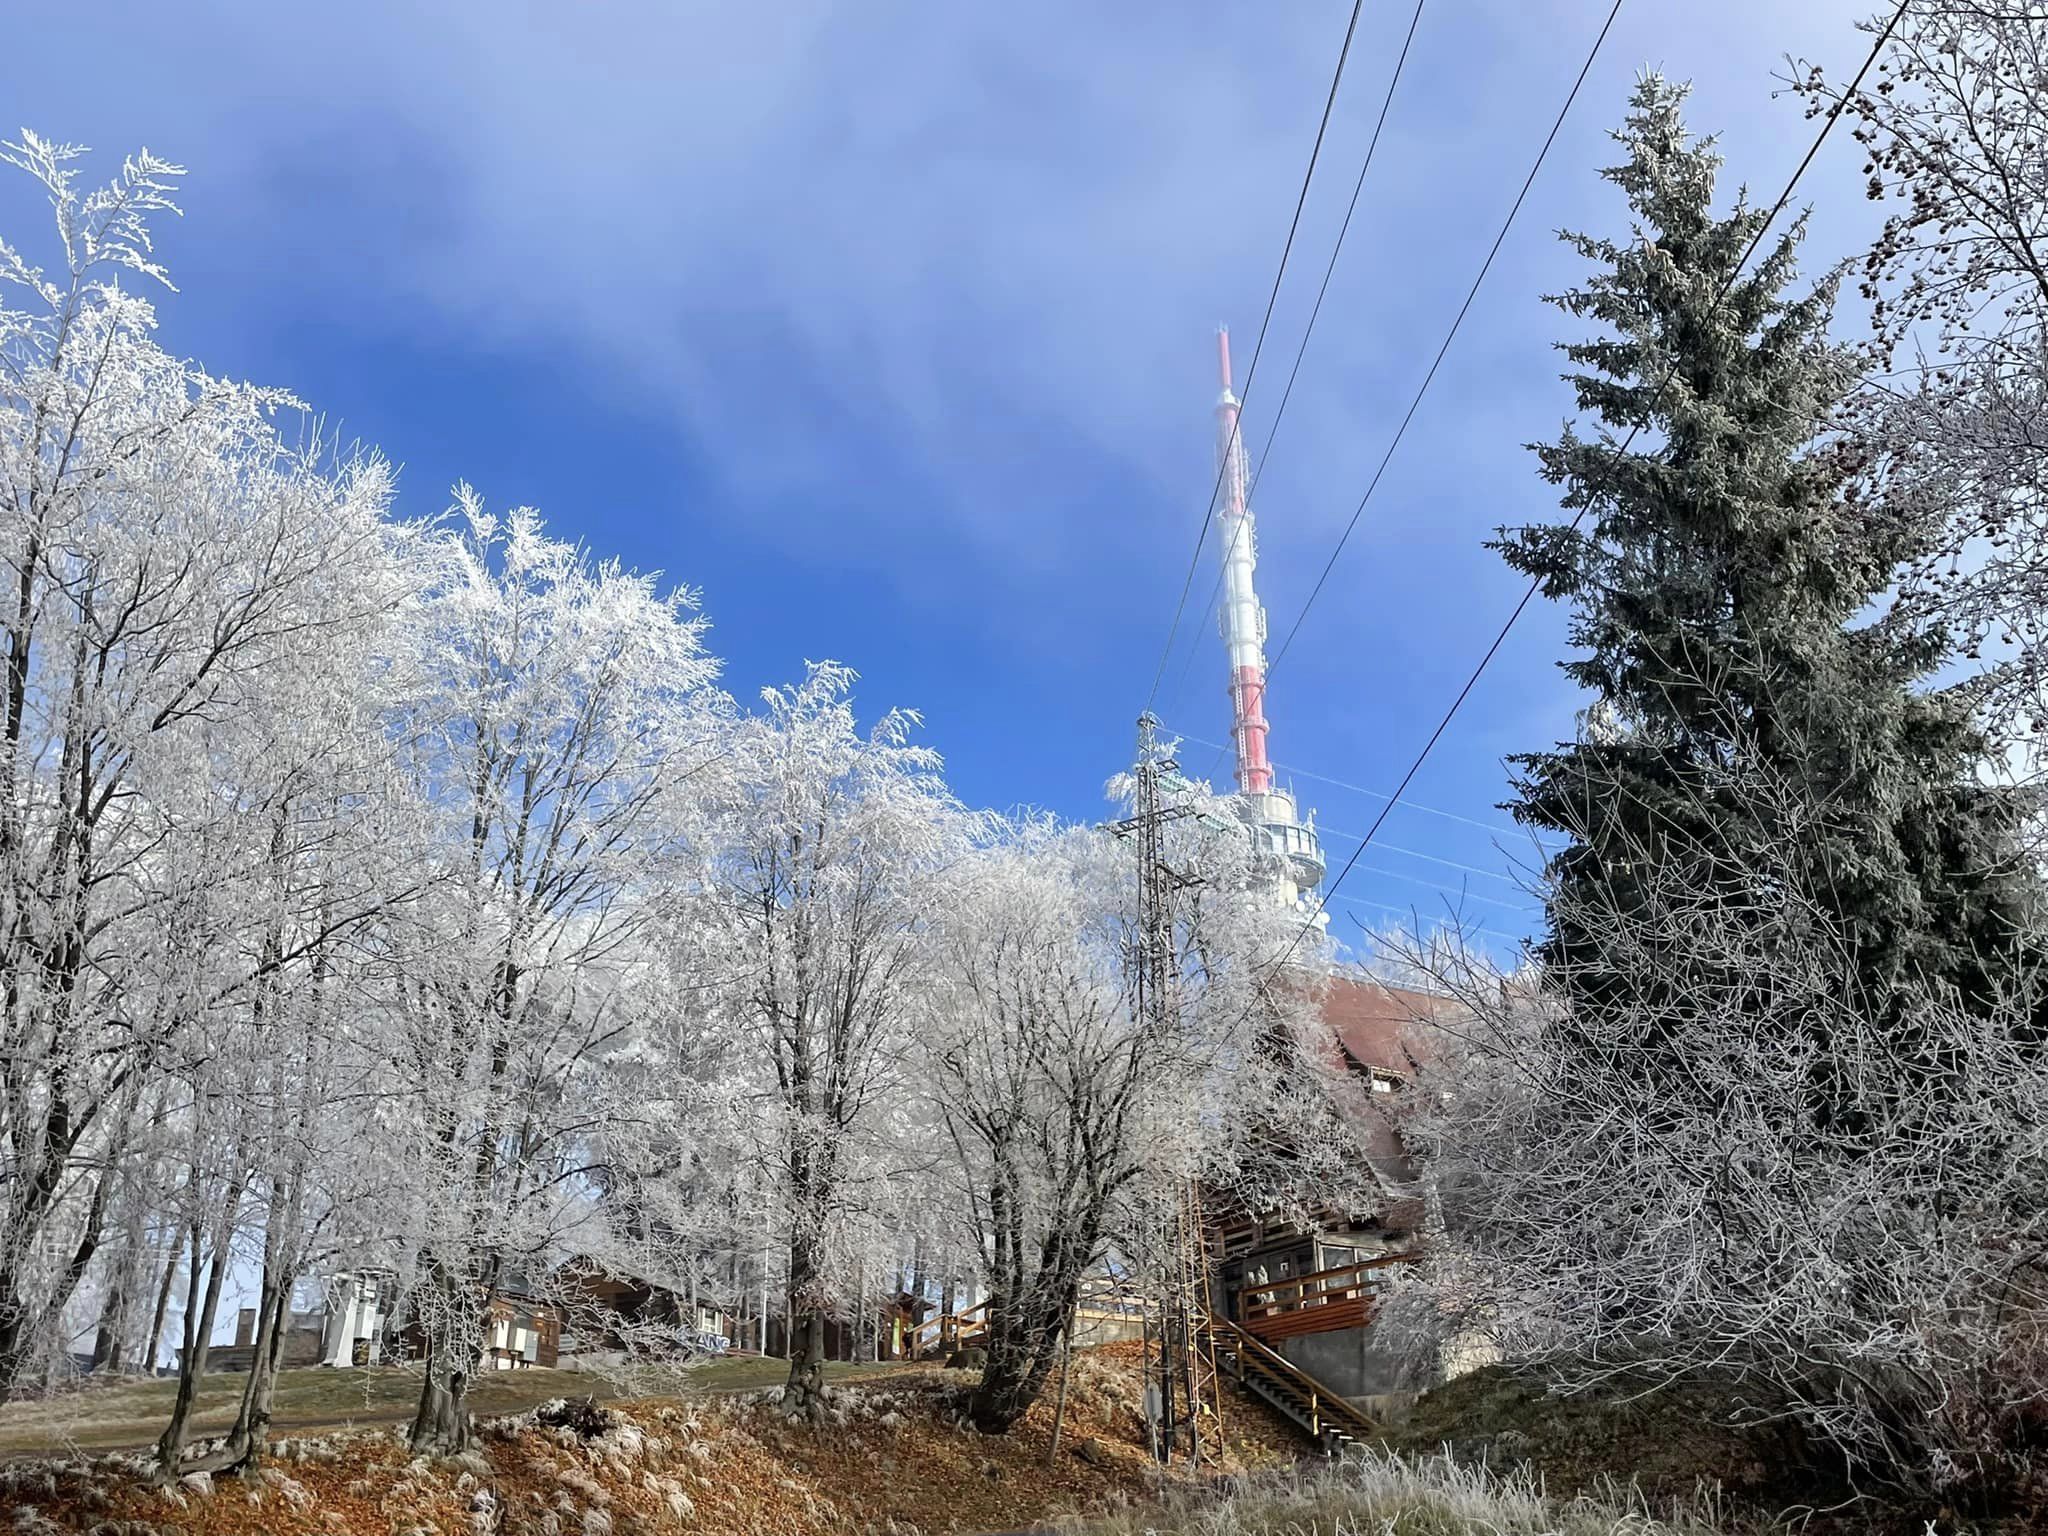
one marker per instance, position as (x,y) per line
(146,1360)
(254,1424)
(170,1447)
(1028,1314)
(1059,1412)
(24,1327)
(860,1314)
(454,1332)
(107,1351)
(441,1427)
(1020,1359)
(243,1449)
(803,1395)
(110,1342)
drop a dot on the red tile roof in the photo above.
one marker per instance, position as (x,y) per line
(1383,1027)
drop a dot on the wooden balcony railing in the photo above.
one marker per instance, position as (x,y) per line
(1320,1302)
(947,1331)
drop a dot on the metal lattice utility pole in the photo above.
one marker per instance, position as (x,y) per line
(1183,1406)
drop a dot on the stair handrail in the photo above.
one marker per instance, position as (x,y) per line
(1273,1363)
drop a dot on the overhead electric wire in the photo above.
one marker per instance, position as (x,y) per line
(1315,313)
(1449,890)
(1457,323)
(1462,927)
(1465,692)
(1301,201)
(1359,789)
(1324,829)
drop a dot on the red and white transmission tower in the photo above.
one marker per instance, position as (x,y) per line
(1269,809)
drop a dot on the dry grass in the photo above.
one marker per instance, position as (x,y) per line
(1384,1495)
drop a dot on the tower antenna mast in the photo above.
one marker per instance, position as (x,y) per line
(1243,620)
(1290,843)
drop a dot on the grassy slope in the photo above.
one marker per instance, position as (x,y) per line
(1667,1441)
(1378,1494)
(128,1414)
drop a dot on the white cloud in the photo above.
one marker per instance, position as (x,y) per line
(992,239)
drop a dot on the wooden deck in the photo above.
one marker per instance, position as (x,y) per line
(1321,1302)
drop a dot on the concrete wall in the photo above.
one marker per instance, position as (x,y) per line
(1345,1361)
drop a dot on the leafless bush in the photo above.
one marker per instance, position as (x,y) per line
(1742,1163)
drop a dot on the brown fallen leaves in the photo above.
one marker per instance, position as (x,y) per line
(892,1462)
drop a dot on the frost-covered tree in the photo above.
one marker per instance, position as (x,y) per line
(825,865)
(563,719)
(1767,1104)
(288,1064)
(1638,1189)
(1074,1120)
(1953,124)
(1720,575)
(172,560)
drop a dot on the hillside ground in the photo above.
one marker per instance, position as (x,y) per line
(897,1458)
(128,1413)
(1667,1441)
(1681,1446)
(709,1452)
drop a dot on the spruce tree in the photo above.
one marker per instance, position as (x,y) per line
(1725,577)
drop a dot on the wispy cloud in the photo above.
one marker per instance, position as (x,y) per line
(930,287)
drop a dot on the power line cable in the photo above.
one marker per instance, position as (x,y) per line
(1326,830)
(1493,650)
(1450,336)
(1315,313)
(1409,912)
(1194,561)
(1448,890)
(1457,323)
(1359,789)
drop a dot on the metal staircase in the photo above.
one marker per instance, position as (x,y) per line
(1326,1418)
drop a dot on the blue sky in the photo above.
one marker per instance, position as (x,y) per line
(890,327)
